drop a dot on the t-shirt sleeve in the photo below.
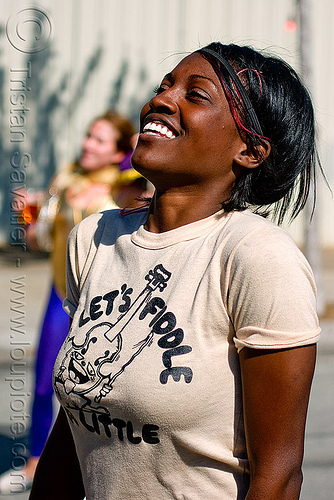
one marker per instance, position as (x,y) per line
(271,297)
(81,249)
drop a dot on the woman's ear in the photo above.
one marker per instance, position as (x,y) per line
(252,158)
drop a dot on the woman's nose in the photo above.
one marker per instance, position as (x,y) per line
(165,102)
(87,142)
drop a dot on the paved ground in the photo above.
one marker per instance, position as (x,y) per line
(25,282)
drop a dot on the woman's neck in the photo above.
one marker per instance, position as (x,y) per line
(173,209)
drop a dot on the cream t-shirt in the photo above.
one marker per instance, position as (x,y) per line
(149,373)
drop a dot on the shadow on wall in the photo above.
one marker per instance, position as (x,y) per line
(139,96)
(30,126)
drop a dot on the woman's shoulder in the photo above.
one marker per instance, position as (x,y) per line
(246,225)
(251,237)
(110,223)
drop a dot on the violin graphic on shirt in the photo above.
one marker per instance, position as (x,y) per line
(116,352)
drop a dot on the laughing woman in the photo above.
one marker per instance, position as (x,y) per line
(187,369)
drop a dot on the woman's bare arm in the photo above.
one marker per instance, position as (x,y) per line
(276,388)
(58,474)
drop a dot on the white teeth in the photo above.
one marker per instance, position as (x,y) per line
(158,128)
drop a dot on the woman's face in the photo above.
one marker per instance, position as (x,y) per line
(99,148)
(188,136)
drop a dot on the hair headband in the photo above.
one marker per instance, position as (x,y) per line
(240,88)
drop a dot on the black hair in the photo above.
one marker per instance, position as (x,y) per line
(282,104)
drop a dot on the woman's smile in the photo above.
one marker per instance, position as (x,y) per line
(158,129)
